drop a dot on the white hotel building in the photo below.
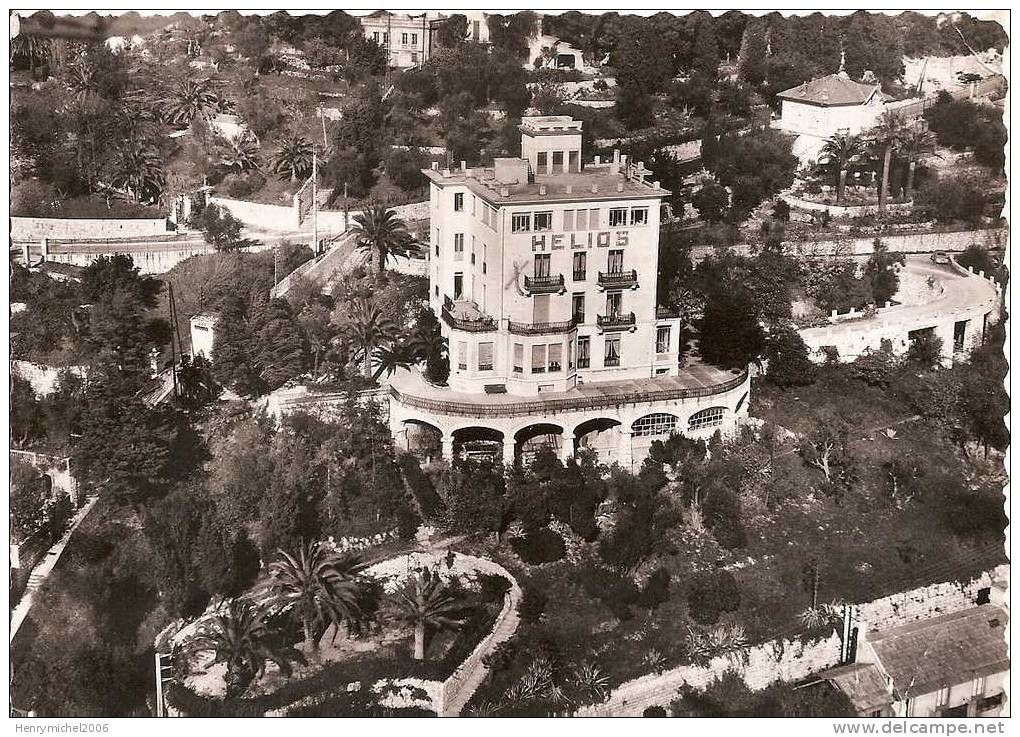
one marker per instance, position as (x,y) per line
(543,273)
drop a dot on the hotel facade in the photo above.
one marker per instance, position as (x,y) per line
(543,273)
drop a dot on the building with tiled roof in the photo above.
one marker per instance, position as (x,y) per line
(953,665)
(819,109)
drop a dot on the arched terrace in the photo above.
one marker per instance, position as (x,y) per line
(601,435)
(476,442)
(532,438)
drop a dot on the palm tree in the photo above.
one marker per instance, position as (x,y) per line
(425,602)
(886,135)
(293,159)
(914,143)
(240,153)
(240,638)
(138,169)
(33,49)
(398,354)
(318,587)
(839,152)
(382,235)
(187,100)
(367,329)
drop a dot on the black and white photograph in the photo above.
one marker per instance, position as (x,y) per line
(499,363)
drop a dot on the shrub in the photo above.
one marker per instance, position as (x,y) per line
(712,594)
(614,590)
(239,186)
(925,350)
(533,603)
(656,589)
(789,364)
(541,546)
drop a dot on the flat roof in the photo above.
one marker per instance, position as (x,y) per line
(607,184)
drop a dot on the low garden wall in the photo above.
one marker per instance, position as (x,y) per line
(24,229)
(834,210)
(259,215)
(791,660)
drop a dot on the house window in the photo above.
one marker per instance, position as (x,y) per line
(614,264)
(485,356)
(657,423)
(414,39)
(614,302)
(543,264)
(458,285)
(557,160)
(543,161)
(520,222)
(414,57)
(593,219)
(555,357)
(612,357)
(580,266)
(710,417)
(458,202)
(568,219)
(570,354)
(662,339)
(518,358)
(575,161)
(538,359)
(582,219)
(462,358)
(577,308)
(485,253)
(583,351)
(618,217)
(543,221)
(403,38)
(639,216)
(472,250)
(458,247)
(375,36)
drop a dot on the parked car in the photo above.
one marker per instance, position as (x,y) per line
(940,257)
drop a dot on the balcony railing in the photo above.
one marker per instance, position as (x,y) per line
(541,328)
(545,406)
(618,321)
(666,313)
(618,279)
(580,274)
(475,324)
(612,361)
(544,284)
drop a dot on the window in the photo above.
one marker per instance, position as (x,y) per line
(386,37)
(575,161)
(941,696)
(485,253)
(582,220)
(414,57)
(614,302)
(543,161)
(538,359)
(614,264)
(577,308)
(706,418)
(593,219)
(557,160)
(520,222)
(458,202)
(583,351)
(618,217)
(568,219)
(458,285)
(403,38)
(518,358)
(570,354)
(543,264)
(375,36)
(612,351)
(639,216)
(989,703)
(414,39)
(540,314)
(580,266)
(485,356)
(657,423)
(555,357)
(543,221)
(462,350)
(472,250)
(662,340)
(458,247)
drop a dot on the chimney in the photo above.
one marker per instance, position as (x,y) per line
(570,189)
(594,189)
(656,184)
(446,172)
(435,165)
(615,168)
(598,161)
(619,186)
(541,189)
(463,165)
(504,191)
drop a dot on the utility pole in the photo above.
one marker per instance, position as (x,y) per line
(315,204)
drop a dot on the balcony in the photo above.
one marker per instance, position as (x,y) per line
(544,284)
(467,317)
(541,328)
(611,361)
(666,313)
(616,322)
(580,274)
(618,279)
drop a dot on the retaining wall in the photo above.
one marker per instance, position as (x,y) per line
(25,229)
(261,216)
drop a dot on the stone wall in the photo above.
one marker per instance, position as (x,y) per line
(792,660)
(148,259)
(33,229)
(260,216)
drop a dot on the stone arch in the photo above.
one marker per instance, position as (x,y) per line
(655,424)
(422,438)
(707,419)
(477,441)
(599,434)
(536,435)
